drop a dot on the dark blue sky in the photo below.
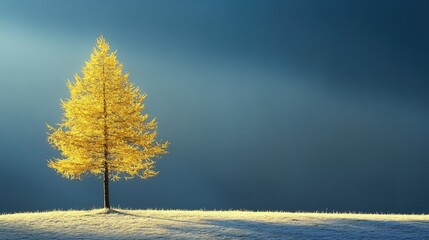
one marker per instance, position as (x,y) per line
(269,105)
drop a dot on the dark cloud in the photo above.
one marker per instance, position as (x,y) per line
(278,105)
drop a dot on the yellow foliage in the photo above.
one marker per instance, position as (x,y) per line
(103,125)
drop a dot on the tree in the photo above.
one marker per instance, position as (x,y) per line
(103,131)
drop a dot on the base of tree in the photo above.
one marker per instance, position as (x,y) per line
(107,211)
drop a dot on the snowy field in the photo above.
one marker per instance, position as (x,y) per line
(178,224)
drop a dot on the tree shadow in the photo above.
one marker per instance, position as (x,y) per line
(118,212)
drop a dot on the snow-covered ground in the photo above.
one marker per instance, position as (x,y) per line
(179,224)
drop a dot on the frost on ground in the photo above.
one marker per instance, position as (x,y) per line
(176,224)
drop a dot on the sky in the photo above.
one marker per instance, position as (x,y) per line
(295,105)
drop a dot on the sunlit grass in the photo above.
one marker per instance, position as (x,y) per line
(198,224)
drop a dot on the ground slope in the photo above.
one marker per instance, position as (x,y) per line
(175,224)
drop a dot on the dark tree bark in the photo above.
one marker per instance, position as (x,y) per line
(106,186)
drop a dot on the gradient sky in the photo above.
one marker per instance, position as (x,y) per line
(269,105)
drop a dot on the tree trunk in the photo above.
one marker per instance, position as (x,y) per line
(106,153)
(106,187)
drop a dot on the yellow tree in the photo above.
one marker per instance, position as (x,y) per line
(104,131)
